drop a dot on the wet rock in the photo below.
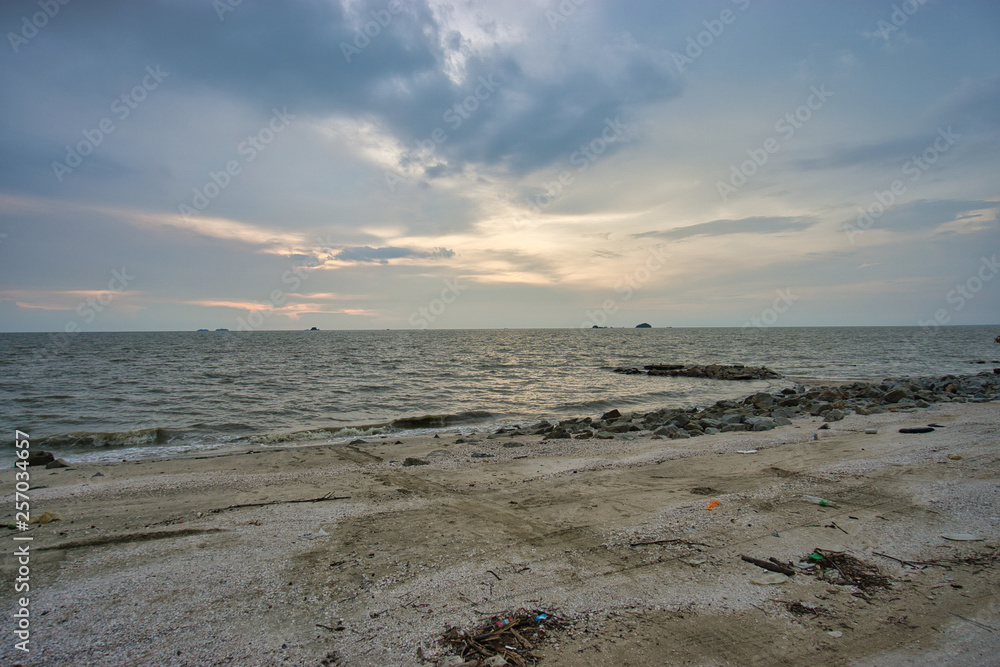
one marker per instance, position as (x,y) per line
(40,458)
(613,414)
(57,463)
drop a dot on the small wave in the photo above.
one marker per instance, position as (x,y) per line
(144,436)
(437,421)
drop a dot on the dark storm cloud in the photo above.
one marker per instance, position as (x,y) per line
(756,225)
(305,56)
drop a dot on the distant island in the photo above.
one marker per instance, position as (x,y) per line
(644,325)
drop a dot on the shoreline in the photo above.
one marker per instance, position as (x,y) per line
(466,423)
(220,557)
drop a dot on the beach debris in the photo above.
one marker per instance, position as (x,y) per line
(671,541)
(935,425)
(962,537)
(98,474)
(955,457)
(835,633)
(975,623)
(412,461)
(712,504)
(313,536)
(816,500)
(328,496)
(357,441)
(769,579)
(46,517)
(871,431)
(57,463)
(843,569)
(800,609)
(512,637)
(771,564)
(746,451)
(918,429)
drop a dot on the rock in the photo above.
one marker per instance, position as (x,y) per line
(762,401)
(481,455)
(613,414)
(820,408)
(730,428)
(627,371)
(604,435)
(622,427)
(760,423)
(713,371)
(357,441)
(512,445)
(40,458)
(668,430)
(58,463)
(557,435)
(896,395)
(586,435)
(411,461)
(833,416)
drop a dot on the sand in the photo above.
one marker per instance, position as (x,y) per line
(149,567)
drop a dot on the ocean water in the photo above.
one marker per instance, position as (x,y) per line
(108,396)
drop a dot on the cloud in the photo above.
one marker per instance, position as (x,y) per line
(383,255)
(755,225)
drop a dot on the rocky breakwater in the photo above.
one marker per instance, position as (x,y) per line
(765,411)
(712,371)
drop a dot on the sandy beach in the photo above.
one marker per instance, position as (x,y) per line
(153,563)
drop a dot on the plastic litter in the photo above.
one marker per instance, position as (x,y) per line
(46,517)
(962,537)
(871,431)
(819,501)
(746,451)
(712,504)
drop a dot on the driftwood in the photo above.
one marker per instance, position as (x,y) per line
(328,496)
(672,541)
(772,566)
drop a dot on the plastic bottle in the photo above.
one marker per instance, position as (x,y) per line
(819,501)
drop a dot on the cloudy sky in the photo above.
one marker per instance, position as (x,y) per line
(366,164)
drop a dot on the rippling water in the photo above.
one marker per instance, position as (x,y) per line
(109,395)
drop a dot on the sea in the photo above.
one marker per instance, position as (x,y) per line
(140,395)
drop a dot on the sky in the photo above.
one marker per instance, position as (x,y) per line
(356,164)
